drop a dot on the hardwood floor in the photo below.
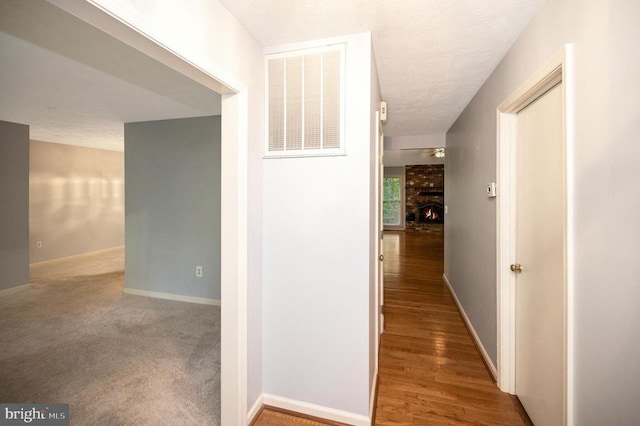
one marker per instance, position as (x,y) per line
(276,417)
(430,372)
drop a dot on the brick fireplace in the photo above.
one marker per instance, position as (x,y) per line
(424,192)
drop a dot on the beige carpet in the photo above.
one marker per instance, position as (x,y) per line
(73,337)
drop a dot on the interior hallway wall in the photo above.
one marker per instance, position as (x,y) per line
(173,206)
(374,227)
(606,197)
(76,199)
(317,260)
(14,204)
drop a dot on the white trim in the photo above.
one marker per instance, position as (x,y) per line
(6,291)
(316,410)
(379,229)
(242,281)
(234,258)
(106,15)
(557,69)
(234,245)
(505,252)
(171,296)
(467,321)
(372,402)
(380,234)
(569,111)
(378,273)
(255,409)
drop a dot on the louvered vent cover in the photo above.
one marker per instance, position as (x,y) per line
(305,96)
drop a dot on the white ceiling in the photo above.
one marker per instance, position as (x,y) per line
(73,84)
(432,55)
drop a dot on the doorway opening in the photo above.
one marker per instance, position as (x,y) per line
(232,150)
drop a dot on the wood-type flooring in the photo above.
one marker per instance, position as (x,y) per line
(430,372)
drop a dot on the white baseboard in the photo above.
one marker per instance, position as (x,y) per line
(255,409)
(316,410)
(483,351)
(170,296)
(372,403)
(11,289)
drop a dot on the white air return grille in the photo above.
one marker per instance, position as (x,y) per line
(305,99)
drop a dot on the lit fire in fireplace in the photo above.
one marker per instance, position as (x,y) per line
(431,214)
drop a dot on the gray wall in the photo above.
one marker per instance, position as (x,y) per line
(172,217)
(76,200)
(14,204)
(607,197)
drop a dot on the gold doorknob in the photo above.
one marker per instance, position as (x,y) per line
(516,267)
(381,257)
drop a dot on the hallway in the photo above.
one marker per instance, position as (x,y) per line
(430,372)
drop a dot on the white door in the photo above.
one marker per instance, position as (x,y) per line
(540,251)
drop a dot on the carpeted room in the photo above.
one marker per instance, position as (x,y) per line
(71,335)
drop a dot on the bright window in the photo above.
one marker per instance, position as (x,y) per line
(391,202)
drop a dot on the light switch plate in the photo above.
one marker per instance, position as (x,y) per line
(491,189)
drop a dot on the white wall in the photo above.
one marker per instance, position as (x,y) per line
(207,35)
(606,198)
(317,279)
(437,140)
(374,226)
(76,200)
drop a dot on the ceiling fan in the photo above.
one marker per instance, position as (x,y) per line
(437,152)
(425,153)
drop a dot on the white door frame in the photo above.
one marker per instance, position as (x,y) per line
(558,69)
(379,275)
(234,153)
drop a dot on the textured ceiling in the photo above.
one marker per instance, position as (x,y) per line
(432,55)
(73,84)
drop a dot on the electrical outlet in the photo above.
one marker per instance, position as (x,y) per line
(199,271)
(38,244)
